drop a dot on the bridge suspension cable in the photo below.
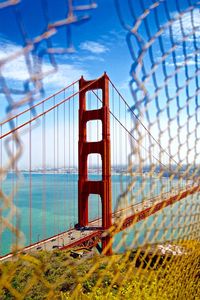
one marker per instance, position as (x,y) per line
(59,145)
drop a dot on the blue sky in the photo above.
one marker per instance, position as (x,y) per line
(100,44)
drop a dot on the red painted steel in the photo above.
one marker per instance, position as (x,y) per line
(84,240)
(38,115)
(137,217)
(37,104)
(85,186)
(129,221)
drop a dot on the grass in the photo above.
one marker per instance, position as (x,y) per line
(56,275)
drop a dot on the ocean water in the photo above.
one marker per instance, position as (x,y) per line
(47,205)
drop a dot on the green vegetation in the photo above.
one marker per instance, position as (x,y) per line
(56,275)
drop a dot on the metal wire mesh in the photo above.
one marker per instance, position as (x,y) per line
(161,253)
(165,89)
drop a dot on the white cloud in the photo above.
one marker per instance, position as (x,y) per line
(65,75)
(185,27)
(7,48)
(189,22)
(86,58)
(90,58)
(94,47)
(124,85)
(16,70)
(187,62)
(182,61)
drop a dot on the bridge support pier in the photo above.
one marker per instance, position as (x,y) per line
(85,186)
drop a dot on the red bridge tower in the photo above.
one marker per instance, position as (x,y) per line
(85,186)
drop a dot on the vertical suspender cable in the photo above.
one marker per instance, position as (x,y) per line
(73,175)
(64,165)
(54,167)
(44,172)
(14,238)
(73,149)
(1,187)
(16,195)
(112,149)
(30,182)
(120,149)
(71,203)
(126,149)
(58,176)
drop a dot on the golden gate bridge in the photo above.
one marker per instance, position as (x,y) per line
(85,119)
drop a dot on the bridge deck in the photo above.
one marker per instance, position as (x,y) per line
(121,220)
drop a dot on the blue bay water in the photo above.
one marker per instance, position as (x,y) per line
(47,204)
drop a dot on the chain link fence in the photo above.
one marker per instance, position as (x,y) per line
(160,255)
